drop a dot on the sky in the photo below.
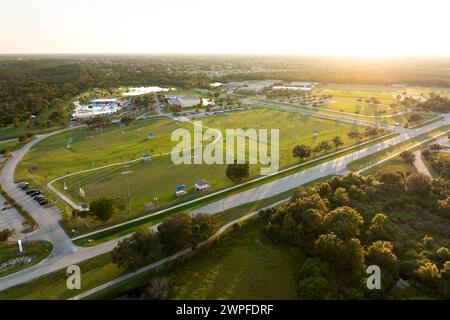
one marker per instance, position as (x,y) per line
(315,27)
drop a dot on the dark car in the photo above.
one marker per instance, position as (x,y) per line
(43,202)
(24,187)
(35,193)
(38,197)
(31,191)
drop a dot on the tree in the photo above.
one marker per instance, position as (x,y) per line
(354,135)
(391,181)
(141,248)
(415,117)
(429,275)
(325,145)
(377,229)
(337,142)
(176,232)
(102,208)
(340,197)
(301,151)
(443,254)
(203,227)
(67,214)
(408,156)
(5,234)
(345,222)
(435,147)
(426,153)
(346,258)
(237,171)
(418,183)
(316,281)
(381,254)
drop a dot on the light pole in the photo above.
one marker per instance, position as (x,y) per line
(126,173)
(155,198)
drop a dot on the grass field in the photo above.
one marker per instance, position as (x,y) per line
(39,249)
(244,266)
(395,164)
(53,286)
(354,92)
(361,108)
(149,179)
(400,119)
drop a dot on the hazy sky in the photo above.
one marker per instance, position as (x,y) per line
(326,27)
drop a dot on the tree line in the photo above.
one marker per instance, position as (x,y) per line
(345,224)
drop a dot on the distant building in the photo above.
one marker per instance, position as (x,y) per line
(96,107)
(258,85)
(297,86)
(184,101)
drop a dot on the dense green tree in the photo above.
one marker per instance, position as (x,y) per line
(301,151)
(408,156)
(176,232)
(238,171)
(140,249)
(203,227)
(102,208)
(344,221)
(418,183)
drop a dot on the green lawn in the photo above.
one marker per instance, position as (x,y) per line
(50,159)
(39,249)
(245,265)
(53,286)
(400,119)
(361,108)
(395,164)
(11,145)
(353,92)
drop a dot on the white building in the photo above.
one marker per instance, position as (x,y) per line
(184,101)
(95,107)
(297,86)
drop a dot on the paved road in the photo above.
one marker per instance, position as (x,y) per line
(47,218)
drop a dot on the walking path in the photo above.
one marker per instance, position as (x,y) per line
(420,165)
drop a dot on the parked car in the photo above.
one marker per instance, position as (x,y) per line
(31,191)
(35,193)
(22,184)
(43,202)
(38,197)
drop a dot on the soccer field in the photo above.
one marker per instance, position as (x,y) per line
(157,179)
